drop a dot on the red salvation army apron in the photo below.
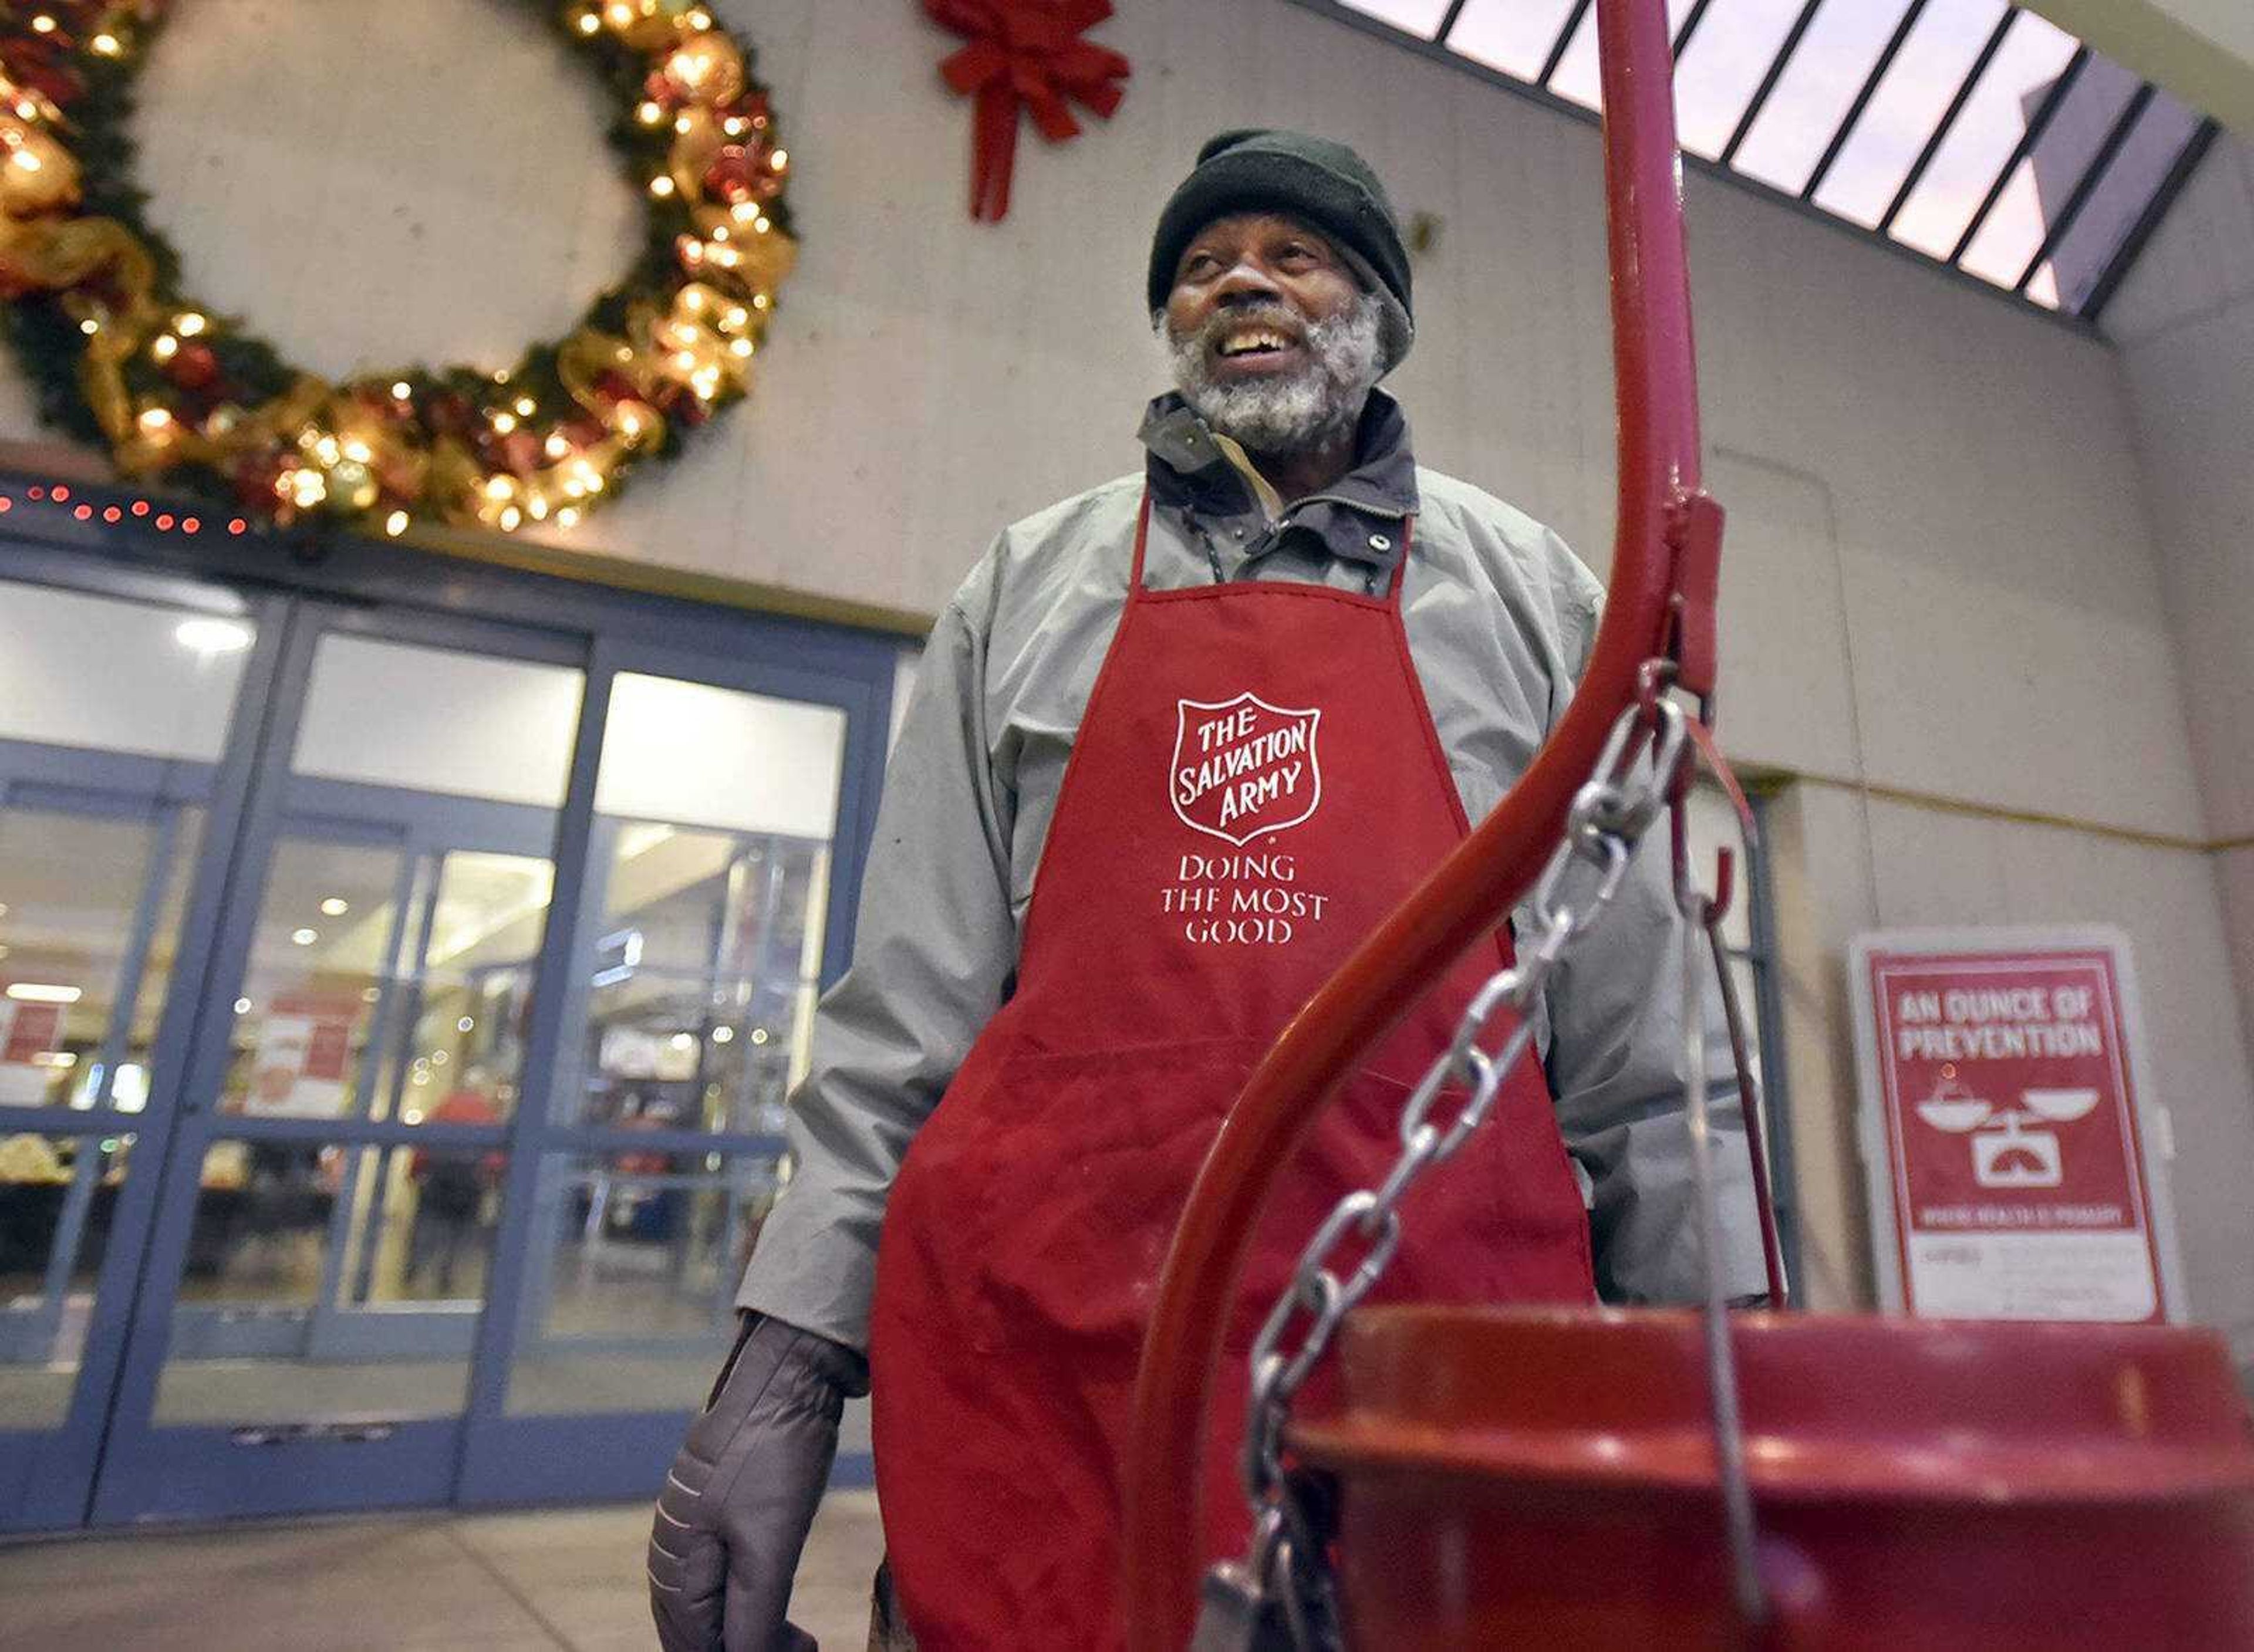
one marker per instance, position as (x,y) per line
(1256,783)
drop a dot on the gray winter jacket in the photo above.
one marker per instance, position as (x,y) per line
(1499,617)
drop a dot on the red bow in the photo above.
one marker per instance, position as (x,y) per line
(1026,53)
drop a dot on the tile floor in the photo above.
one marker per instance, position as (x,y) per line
(528,1582)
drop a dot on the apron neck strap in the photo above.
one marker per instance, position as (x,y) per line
(1142,539)
(1401,563)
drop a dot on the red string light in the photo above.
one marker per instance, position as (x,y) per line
(139,509)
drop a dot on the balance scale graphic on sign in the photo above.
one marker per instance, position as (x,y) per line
(2005,1153)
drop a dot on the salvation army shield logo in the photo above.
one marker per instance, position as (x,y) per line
(1244,767)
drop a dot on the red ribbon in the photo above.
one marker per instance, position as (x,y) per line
(1025,55)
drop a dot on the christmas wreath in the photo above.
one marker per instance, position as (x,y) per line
(121,356)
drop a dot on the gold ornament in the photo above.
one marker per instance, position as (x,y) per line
(707,68)
(37,174)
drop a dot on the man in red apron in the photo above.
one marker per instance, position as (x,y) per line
(1179,743)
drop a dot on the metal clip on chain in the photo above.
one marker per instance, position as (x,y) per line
(1282,1589)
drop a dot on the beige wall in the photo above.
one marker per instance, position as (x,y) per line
(1942,577)
(1846,862)
(2185,323)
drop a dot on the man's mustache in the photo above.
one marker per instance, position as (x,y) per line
(1275,316)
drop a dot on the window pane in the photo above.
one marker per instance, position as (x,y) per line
(333,964)
(1995,116)
(698,1010)
(1723,65)
(1577,75)
(117,676)
(327,1282)
(434,720)
(1906,106)
(473,996)
(1420,17)
(696,975)
(2127,187)
(1805,108)
(72,889)
(701,756)
(57,1196)
(630,1295)
(2042,184)
(307,1010)
(1513,35)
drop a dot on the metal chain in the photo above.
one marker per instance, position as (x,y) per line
(1349,1252)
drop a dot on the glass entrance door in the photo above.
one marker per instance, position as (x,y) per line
(708,908)
(319,1261)
(120,759)
(321,1255)
(397,1015)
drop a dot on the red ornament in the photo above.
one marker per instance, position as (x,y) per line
(256,478)
(520,451)
(449,413)
(193,366)
(42,63)
(613,386)
(1024,53)
(733,172)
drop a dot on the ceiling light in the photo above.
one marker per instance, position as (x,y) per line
(305,937)
(37,993)
(213,636)
(335,906)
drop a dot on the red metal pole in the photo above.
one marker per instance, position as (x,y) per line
(1471,891)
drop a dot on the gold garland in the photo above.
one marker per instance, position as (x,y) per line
(173,388)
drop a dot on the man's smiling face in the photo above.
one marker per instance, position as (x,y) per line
(1249,286)
(1273,340)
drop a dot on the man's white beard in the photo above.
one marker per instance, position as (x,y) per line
(1284,413)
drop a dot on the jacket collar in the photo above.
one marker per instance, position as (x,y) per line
(1186,470)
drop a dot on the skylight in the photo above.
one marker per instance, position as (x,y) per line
(1971,133)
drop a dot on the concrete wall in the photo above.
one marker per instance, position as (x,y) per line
(2185,323)
(1942,581)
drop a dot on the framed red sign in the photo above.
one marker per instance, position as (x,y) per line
(2008,1128)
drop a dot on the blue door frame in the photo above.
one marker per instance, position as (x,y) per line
(109,1462)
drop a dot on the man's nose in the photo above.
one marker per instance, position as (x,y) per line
(1245,282)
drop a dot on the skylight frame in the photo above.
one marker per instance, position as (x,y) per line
(2062,217)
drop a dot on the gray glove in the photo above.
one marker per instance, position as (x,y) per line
(740,1497)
